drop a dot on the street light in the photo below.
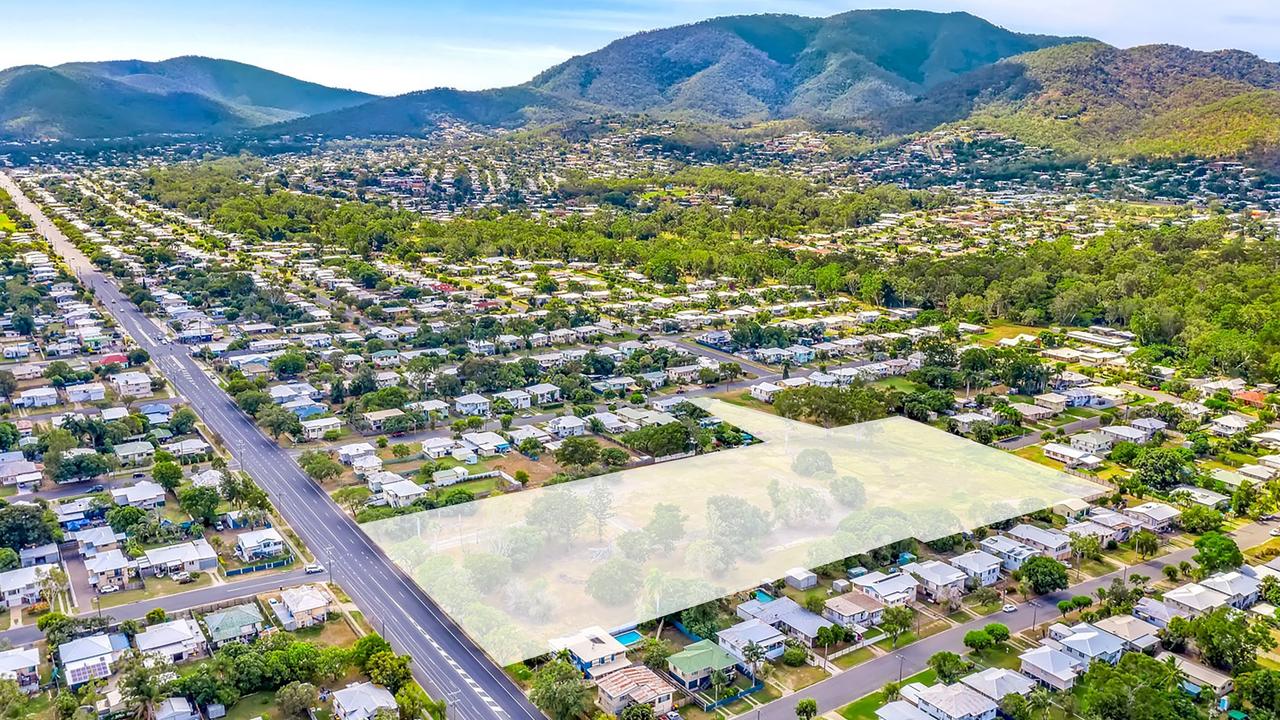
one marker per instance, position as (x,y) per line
(901,661)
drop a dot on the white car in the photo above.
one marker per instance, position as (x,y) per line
(108,589)
(313,569)
(1275,532)
(1009,607)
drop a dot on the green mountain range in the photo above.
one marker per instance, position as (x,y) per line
(887,71)
(130,97)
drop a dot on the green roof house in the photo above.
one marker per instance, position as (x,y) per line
(239,623)
(693,666)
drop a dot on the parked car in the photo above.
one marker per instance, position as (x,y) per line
(108,589)
(182,578)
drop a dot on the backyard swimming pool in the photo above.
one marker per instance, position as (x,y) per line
(629,638)
(764,597)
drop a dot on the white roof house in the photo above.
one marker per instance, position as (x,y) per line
(174,640)
(955,702)
(1195,598)
(996,683)
(361,701)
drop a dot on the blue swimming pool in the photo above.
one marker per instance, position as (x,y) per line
(764,597)
(629,638)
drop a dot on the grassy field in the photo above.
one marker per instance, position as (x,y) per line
(857,657)
(251,706)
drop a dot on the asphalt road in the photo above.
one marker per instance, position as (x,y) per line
(179,601)
(444,660)
(870,676)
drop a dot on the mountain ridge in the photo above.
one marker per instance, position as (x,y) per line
(183,95)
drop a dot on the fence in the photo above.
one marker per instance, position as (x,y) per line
(259,568)
(755,685)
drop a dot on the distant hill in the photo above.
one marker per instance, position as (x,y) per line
(1093,98)
(766,66)
(732,68)
(419,112)
(131,97)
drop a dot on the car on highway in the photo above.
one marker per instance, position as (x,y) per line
(1009,607)
(313,568)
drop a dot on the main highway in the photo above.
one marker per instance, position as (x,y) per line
(445,661)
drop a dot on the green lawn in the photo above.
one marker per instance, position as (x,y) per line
(865,708)
(251,706)
(1002,655)
(155,587)
(857,657)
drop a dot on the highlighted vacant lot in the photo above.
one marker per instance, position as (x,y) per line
(518,570)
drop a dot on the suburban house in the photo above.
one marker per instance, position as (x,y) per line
(143,494)
(1087,643)
(21,665)
(892,590)
(544,393)
(131,384)
(238,623)
(259,544)
(786,615)
(193,556)
(1051,668)
(692,667)
(136,452)
(109,569)
(519,399)
(315,429)
(1156,517)
(362,701)
(1011,552)
(853,610)
(91,658)
(88,392)
(939,580)
(737,637)
(593,651)
(566,426)
(1138,635)
(376,419)
(981,567)
(347,454)
(176,708)
(1195,599)
(303,606)
(472,404)
(402,493)
(174,641)
(1240,589)
(1072,456)
(634,685)
(955,702)
(22,586)
(995,683)
(1049,542)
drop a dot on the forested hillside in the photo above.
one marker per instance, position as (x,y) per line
(1157,100)
(181,95)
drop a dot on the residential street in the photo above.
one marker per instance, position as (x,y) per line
(247,588)
(444,660)
(839,690)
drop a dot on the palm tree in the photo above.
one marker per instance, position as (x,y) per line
(718,681)
(892,691)
(1039,700)
(1173,675)
(754,655)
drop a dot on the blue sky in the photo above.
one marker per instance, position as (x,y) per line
(393,46)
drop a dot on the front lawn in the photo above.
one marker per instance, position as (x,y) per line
(857,657)
(155,587)
(865,708)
